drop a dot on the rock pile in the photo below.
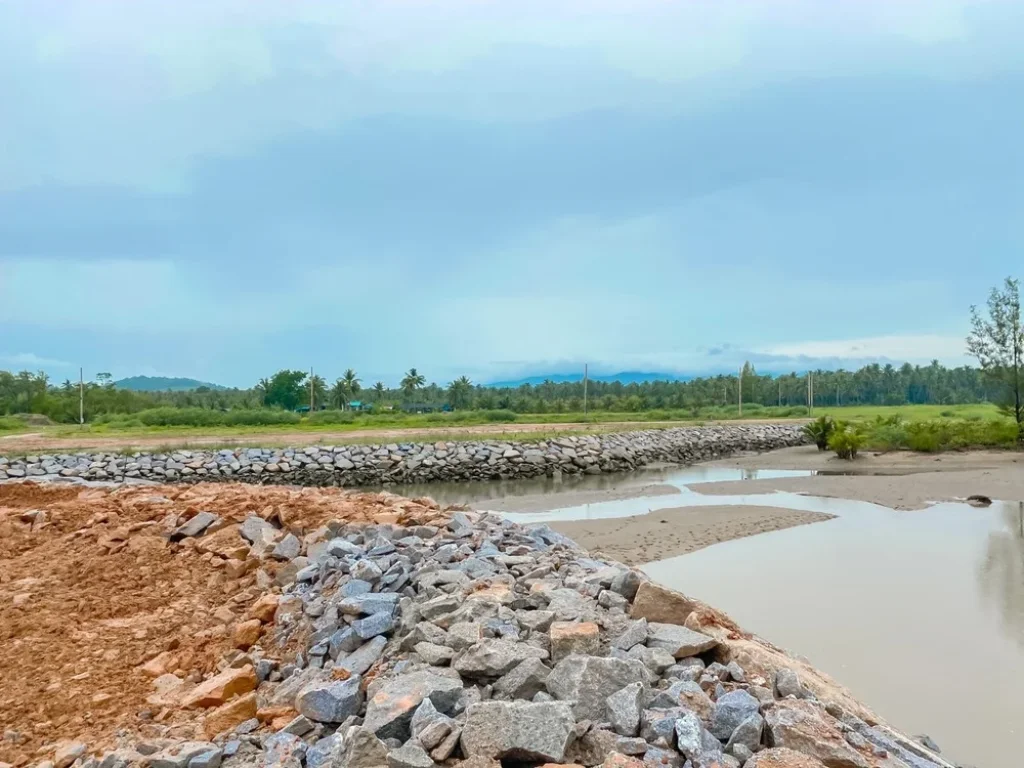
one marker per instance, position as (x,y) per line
(480,643)
(351,465)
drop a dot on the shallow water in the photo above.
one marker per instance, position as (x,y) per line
(920,614)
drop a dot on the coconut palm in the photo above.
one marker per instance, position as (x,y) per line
(380,389)
(460,392)
(412,381)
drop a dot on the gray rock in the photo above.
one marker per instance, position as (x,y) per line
(518,730)
(635,634)
(626,583)
(741,753)
(409,756)
(433,654)
(730,711)
(623,708)
(525,680)
(494,658)
(736,672)
(287,548)
(369,604)
(325,752)
(367,570)
(689,735)
(788,684)
(658,757)
(747,734)
(657,660)
(359,661)
(389,711)
(330,702)
(194,527)
(344,641)
(363,750)
(588,681)
(209,759)
(537,621)
(373,625)
(283,750)
(679,641)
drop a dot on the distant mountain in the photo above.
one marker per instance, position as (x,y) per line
(625,377)
(162,384)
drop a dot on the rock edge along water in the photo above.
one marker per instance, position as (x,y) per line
(552,656)
(352,465)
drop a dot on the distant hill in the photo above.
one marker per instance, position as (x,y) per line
(162,384)
(625,377)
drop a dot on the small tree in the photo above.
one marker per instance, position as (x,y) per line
(997,341)
(412,381)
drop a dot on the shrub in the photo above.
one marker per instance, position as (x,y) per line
(948,414)
(331,417)
(499,415)
(846,440)
(820,430)
(201,417)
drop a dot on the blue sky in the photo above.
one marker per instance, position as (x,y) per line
(221,189)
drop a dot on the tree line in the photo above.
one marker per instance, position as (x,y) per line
(875,384)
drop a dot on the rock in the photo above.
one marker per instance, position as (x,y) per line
(588,681)
(373,625)
(736,672)
(363,750)
(660,604)
(369,604)
(390,710)
(246,634)
(194,527)
(180,754)
(788,684)
(732,709)
(593,747)
(805,727)
(617,760)
(928,742)
(623,708)
(330,702)
(228,715)
(283,750)
(538,621)
(366,570)
(689,735)
(326,752)
(435,655)
(747,735)
(209,759)
(493,658)
(568,637)
(287,549)
(221,687)
(524,681)
(409,756)
(657,660)
(781,757)
(657,757)
(688,694)
(518,730)
(635,634)
(626,583)
(67,752)
(464,634)
(360,660)
(264,608)
(679,641)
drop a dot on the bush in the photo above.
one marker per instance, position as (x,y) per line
(331,417)
(11,423)
(199,417)
(846,440)
(820,430)
(948,414)
(499,415)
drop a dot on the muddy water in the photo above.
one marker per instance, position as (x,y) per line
(920,614)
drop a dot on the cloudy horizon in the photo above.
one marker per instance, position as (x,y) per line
(219,190)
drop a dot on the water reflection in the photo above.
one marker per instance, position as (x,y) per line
(1002,571)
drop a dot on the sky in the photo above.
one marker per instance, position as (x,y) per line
(224,188)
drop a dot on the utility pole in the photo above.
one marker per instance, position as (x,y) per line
(780,391)
(810,393)
(585,377)
(310,391)
(739,395)
(81,398)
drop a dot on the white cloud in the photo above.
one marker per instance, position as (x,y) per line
(30,360)
(947,349)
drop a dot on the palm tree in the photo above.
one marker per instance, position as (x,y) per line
(319,390)
(460,391)
(380,389)
(351,382)
(339,394)
(413,380)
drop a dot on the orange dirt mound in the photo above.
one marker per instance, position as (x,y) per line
(91,589)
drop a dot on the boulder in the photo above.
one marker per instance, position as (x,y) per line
(409,756)
(588,681)
(228,715)
(782,757)
(805,727)
(731,709)
(363,750)
(330,702)
(635,634)
(220,688)
(524,681)
(623,708)
(390,710)
(661,604)
(568,637)
(521,731)
(494,658)
(194,526)
(677,640)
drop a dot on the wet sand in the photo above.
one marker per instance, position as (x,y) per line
(541,502)
(677,531)
(899,480)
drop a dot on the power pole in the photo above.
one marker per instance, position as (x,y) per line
(810,394)
(585,377)
(81,398)
(739,395)
(310,391)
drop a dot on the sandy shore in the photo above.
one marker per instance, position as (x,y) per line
(542,502)
(896,480)
(677,531)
